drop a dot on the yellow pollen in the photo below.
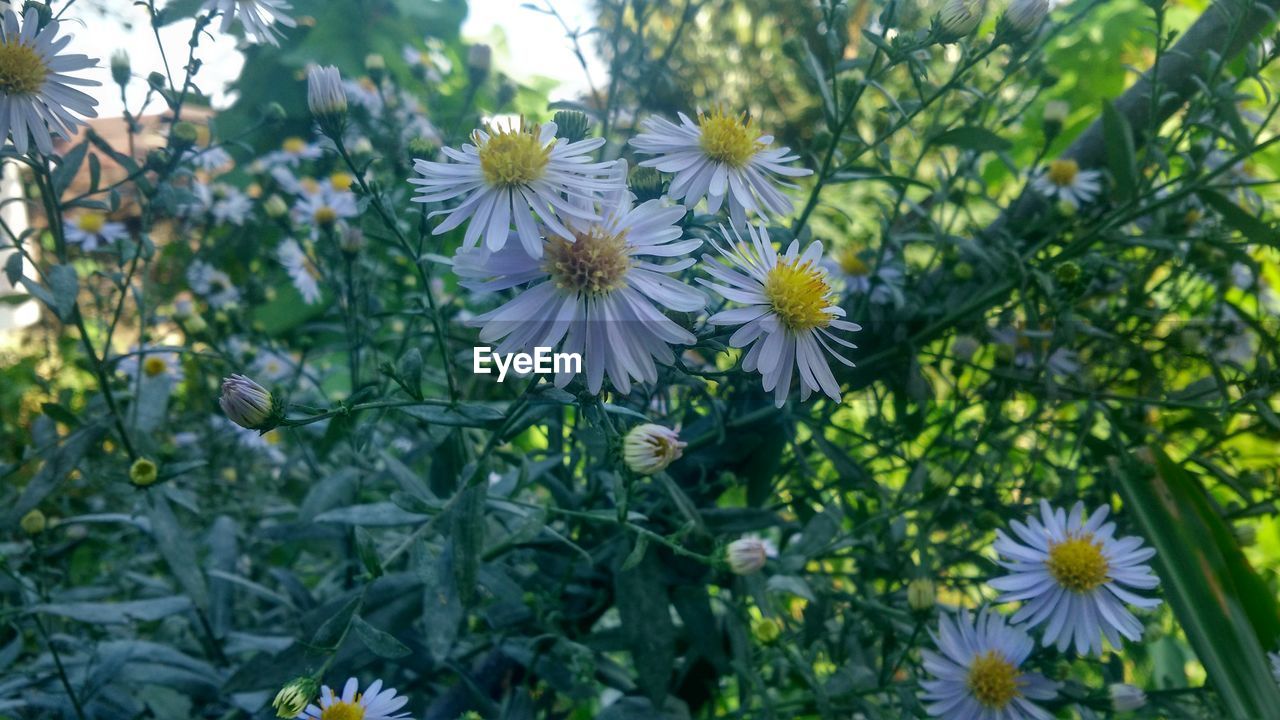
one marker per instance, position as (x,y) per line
(326,215)
(341,181)
(798,292)
(294,145)
(22,70)
(1063,172)
(595,263)
(153,366)
(992,680)
(91,222)
(309,185)
(343,711)
(728,139)
(513,156)
(851,264)
(1077,564)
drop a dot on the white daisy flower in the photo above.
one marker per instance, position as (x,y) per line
(210,159)
(302,271)
(719,156)
(978,673)
(259,17)
(791,310)
(292,152)
(516,175)
(1066,182)
(36,93)
(364,93)
(229,204)
(212,284)
(884,285)
(325,208)
(154,364)
(273,366)
(1075,577)
(372,704)
(91,229)
(592,293)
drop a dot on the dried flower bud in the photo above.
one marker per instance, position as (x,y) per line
(747,555)
(121,71)
(650,448)
(33,523)
(921,594)
(249,405)
(572,125)
(144,472)
(294,697)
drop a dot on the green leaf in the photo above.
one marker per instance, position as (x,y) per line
(442,611)
(13,268)
(108,613)
(464,415)
(332,630)
(1226,610)
(1121,156)
(66,170)
(60,296)
(637,552)
(1237,217)
(643,607)
(467,539)
(382,514)
(176,548)
(59,461)
(380,643)
(971,137)
(60,414)
(367,549)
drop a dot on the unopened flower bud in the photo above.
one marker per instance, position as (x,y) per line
(327,99)
(1025,16)
(1126,697)
(121,71)
(1055,115)
(1068,273)
(294,697)
(43,11)
(766,630)
(646,183)
(960,18)
(479,61)
(249,405)
(921,594)
(33,523)
(274,113)
(156,81)
(572,125)
(185,134)
(747,555)
(144,472)
(650,448)
(962,271)
(351,240)
(423,147)
(275,206)
(375,65)
(964,347)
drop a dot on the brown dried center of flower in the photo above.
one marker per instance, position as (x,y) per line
(1078,564)
(595,263)
(993,680)
(22,70)
(513,157)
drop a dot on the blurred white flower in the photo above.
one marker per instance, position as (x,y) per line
(210,159)
(321,210)
(1064,181)
(720,156)
(292,152)
(213,285)
(37,99)
(977,673)
(1025,16)
(790,314)
(884,285)
(1075,577)
(591,293)
(230,204)
(154,364)
(302,271)
(259,17)
(1126,697)
(372,704)
(516,175)
(90,229)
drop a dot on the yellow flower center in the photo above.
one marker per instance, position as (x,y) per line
(798,292)
(1063,172)
(91,222)
(729,139)
(595,263)
(341,181)
(1077,564)
(851,264)
(343,711)
(153,366)
(22,70)
(326,215)
(993,680)
(294,145)
(513,156)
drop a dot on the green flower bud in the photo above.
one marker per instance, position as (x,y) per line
(572,125)
(144,472)
(423,147)
(33,523)
(121,71)
(766,630)
(962,271)
(646,183)
(43,11)
(274,113)
(921,594)
(184,134)
(294,697)
(1068,273)
(156,81)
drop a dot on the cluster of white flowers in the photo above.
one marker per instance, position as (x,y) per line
(1074,578)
